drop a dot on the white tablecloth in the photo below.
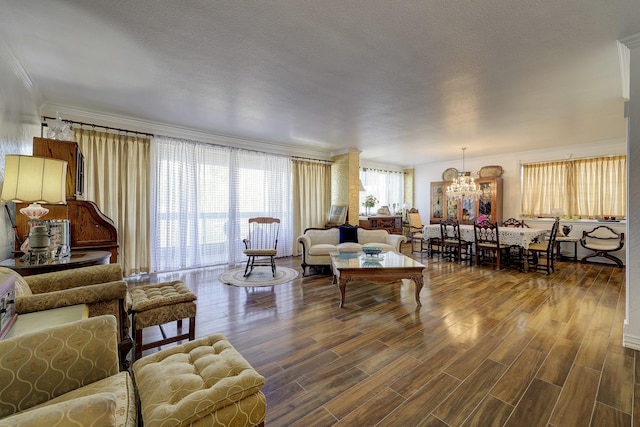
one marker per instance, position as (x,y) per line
(508,235)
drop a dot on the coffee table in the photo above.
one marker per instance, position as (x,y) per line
(387,267)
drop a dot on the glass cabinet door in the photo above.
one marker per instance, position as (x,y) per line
(485,204)
(437,201)
(468,215)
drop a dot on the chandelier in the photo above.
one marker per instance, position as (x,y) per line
(464,187)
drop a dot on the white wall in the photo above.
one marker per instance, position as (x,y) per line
(510,162)
(19,123)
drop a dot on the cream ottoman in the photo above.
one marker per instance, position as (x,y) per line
(205,382)
(157,304)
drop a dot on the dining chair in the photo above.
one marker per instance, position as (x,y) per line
(516,253)
(416,232)
(488,249)
(512,222)
(544,249)
(453,246)
(261,243)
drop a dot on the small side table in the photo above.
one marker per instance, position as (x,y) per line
(30,322)
(567,239)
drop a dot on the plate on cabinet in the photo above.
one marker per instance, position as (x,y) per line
(490,172)
(450,174)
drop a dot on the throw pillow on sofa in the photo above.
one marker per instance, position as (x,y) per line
(348,233)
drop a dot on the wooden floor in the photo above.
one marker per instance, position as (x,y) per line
(487,348)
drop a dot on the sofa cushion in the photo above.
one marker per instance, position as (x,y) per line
(372,236)
(322,249)
(348,233)
(99,408)
(349,247)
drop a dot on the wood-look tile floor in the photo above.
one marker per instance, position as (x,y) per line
(487,348)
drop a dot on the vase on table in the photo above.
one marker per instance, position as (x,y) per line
(566,229)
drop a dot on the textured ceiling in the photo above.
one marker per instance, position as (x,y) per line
(405,82)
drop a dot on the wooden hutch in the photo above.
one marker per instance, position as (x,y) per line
(391,223)
(89,228)
(466,211)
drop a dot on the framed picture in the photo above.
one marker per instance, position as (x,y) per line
(384,211)
(338,214)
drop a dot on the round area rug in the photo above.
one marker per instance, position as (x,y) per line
(261,276)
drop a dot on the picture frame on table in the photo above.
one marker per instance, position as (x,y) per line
(338,214)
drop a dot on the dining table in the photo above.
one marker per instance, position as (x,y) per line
(512,236)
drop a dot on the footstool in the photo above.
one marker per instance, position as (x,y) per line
(157,304)
(204,382)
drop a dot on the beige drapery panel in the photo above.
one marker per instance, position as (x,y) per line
(117,180)
(589,188)
(311,198)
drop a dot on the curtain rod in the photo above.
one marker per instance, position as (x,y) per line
(44,123)
(310,159)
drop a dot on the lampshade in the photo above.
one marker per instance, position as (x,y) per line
(34,180)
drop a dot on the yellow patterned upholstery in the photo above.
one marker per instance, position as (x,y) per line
(65,375)
(157,304)
(210,384)
(101,287)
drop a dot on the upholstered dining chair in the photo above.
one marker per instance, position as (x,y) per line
(261,243)
(416,231)
(602,241)
(453,246)
(488,248)
(544,249)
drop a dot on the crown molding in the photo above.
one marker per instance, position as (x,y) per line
(632,41)
(162,129)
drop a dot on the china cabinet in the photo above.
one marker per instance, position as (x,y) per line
(466,211)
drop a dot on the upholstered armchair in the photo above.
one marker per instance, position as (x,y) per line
(100,287)
(65,375)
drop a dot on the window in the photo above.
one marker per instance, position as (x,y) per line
(203,197)
(386,186)
(588,188)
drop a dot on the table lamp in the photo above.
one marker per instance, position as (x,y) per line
(34,180)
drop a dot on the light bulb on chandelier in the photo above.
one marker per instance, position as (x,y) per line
(464,186)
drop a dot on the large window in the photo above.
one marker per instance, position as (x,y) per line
(386,186)
(588,188)
(203,196)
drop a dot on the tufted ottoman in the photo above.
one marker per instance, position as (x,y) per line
(157,304)
(205,382)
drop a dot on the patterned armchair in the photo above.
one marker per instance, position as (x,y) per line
(101,287)
(65,375)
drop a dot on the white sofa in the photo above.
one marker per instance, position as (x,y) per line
(318,243)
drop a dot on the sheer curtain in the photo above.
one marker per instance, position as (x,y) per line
(386,186)
(311,194)
(117,180)
(590,188)
(203,196)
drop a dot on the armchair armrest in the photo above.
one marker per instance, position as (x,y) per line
(72,278)
(42,365)
(305,241)
(396,240)
(81,295)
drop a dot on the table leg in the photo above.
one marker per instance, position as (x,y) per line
(419,281)
(342,284)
